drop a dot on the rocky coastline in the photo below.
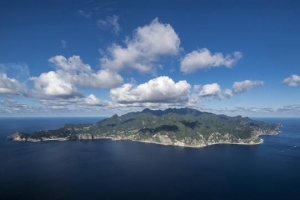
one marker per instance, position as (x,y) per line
(184,127)
(158,139)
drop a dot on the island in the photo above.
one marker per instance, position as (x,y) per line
(179,127)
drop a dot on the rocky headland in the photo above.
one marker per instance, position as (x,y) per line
(179,127)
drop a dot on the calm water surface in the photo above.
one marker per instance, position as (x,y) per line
(105,169)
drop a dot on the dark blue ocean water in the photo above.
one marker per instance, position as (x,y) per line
(105,169)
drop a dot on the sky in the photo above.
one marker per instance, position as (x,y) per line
(99,58)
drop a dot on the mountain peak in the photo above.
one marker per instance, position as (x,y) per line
(180,111)
(173,126)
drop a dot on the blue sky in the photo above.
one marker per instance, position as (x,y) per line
(98,58)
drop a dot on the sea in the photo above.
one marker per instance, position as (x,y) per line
(105,169)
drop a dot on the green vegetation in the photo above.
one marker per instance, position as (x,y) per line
(186,125)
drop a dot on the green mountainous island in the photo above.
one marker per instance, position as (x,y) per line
(179,127)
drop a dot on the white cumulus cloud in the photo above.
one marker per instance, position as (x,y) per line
(72,64)
(293,80)
(204,59)
(54,84)
(159,90)
(79,73)
(246,85)
(92,100)
(213,89)
(69,73)
(143,49)
(99,79)
(10,85)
